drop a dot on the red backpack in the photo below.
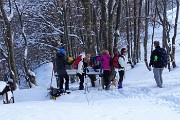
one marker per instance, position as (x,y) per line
(115,60)
(76,62)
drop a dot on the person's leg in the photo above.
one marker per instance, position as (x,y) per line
(161,79)
(67,81)
(93,79)
(81,83)
(61,79)
(106,77)
(121,76)
(156,72)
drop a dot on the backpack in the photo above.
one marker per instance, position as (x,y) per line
(55,92)
(115,61)
(76,62)
(94,63)
(162,57)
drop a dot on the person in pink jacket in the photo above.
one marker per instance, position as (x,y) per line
(105,59)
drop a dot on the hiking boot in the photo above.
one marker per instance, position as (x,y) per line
(107,87)
(66,88)
(81,87)
(93,83)
(119,85)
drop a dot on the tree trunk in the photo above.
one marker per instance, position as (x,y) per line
(66,37)
(87,22)
(174,36)
(135,59)
(111,11)
(104,28)
(28,75)
(9,41)
(139,28)
(116,34)
(146,32)
(127,30)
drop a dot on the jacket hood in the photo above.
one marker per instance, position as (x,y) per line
(106,55)
(60,55)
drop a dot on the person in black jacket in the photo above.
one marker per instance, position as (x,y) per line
(60,68)
(157,66)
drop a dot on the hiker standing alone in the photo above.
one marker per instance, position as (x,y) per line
(105,59)
(158,63)
(122,63)
(60,67)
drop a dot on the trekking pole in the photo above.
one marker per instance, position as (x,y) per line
(85,79)
(51,77)
(86,89)
(101,82)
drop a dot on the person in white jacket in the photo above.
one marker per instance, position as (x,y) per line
(80,72)
(123,64)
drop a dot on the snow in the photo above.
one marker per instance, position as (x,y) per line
(139,99)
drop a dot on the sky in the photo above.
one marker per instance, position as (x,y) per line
(139,99)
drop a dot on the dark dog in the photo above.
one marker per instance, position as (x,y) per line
(7,93)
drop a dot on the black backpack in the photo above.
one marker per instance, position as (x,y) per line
(55,92)
(162,57)
(94,63)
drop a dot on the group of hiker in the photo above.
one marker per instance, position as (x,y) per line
(81,64)
(107,64)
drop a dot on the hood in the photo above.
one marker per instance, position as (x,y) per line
(106,55)
(59,55)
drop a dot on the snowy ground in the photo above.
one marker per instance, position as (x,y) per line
(139,99)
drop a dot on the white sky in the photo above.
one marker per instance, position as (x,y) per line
(139,99)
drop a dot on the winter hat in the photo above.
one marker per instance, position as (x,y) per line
(62,51)
(122,50)
(156,43)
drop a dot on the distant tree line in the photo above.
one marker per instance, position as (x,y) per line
(33,30)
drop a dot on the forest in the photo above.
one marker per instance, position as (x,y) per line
(33,30)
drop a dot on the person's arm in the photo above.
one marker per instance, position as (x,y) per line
(151,59)
(99,58)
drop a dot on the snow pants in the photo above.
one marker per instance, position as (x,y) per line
(61,78)
(158,76)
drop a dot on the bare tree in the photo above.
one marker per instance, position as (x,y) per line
(29,77)
(9,43)
(135,52)
(88,22)
(117,34)
(103,24)
(174,36)
(139,29)
(146,31)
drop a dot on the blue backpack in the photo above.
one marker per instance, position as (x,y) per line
(94,63)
